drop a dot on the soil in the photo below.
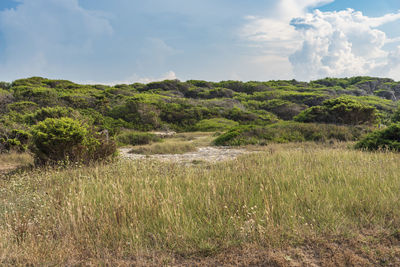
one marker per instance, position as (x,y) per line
(203,154)
(313,253)
(5,168)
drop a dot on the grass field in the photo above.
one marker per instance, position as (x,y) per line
(285,205)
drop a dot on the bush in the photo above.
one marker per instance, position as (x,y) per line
(137,138)
(14,140)
(68,140)
(48,112)
(388,138)
(342,110)
(287,132)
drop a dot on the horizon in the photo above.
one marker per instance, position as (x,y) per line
(123,42)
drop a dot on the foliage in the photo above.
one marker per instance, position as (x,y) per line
(48,112)
(342,110)
(14,140)
(187,106)
(287,132)
(388,138)
(66,139)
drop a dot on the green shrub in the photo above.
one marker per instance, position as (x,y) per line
(388,138)
(48,112)
(23,106)
(342,110)
(215,124)
(137,138)
(68,140)
(287,132)
(14,140)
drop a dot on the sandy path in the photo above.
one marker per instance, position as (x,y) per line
(208,154)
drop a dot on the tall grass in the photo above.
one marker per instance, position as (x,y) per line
(277,197)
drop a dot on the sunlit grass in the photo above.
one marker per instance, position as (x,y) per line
(178,144)
(280,196)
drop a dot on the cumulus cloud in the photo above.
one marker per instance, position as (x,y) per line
(344,43)
(321,44)
(38,34)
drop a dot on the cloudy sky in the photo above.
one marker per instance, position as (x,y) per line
(125,41)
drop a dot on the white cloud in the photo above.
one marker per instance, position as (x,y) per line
(321,44)
(344,43)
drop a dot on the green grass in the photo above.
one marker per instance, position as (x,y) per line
(281,196)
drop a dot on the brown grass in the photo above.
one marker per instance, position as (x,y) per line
(12,161)
(291,205)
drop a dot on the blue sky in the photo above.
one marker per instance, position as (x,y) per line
(125,41)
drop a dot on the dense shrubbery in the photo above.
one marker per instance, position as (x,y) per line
(14,140)
(66,139)
(342,110)
(192,105)
(388,138)
(288,132)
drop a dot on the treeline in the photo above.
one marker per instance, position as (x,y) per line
(193,105)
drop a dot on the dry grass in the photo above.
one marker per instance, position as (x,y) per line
(164,148)
(14,160)
(285,197)
(178,144)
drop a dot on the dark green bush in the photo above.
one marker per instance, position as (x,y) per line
(388,138)
(288,132)
(68,140)
(342,110)
(14,140)
(137,138)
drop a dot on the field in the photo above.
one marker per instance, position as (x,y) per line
(284,205)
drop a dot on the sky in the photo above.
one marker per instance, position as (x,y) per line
(126,41)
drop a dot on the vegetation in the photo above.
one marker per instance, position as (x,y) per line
(130,212)
(190,106)
(136,138)
(65,139)
(288,132)
(342,110)
(125,212)
(165,148)
(388,138)
(216,124)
